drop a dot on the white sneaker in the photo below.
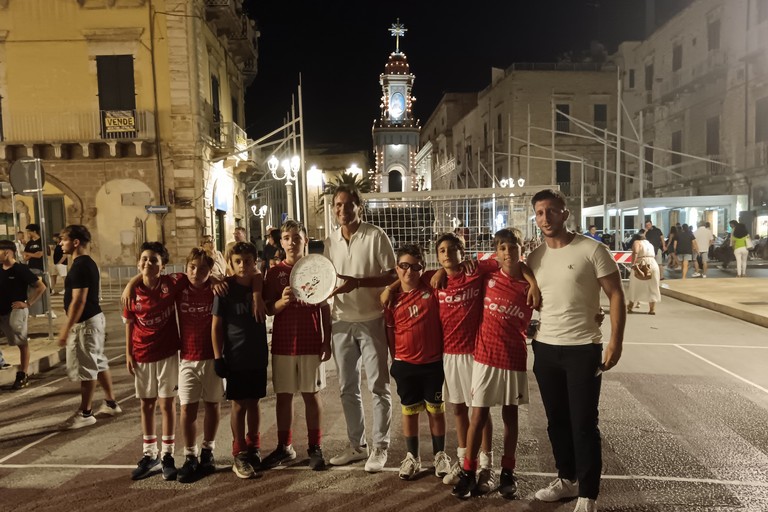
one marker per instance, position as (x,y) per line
(452,478)
(442,464)
(351,454)
(696,274)
(585,505)
(107,410)
(79,421)
(558,489)
(486,480)
(376,460)
(409,467)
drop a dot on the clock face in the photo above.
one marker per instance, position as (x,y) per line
(396,105)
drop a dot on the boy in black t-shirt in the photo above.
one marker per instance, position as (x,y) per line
(15,278)
(240,349)
(83,332)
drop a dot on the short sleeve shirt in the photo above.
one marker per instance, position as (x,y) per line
(461,308)
(155,333)
(654,236)
(501,338)
(32,247)
(245,339)
(684,242)
(58,256)
(703,237)
(570,290)
(13,283)
(84,273)
(297,329)
(369,253)
(193,307)
(416,320)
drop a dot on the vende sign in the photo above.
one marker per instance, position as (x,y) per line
(119,121)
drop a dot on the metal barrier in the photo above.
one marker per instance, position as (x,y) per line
(114,279)
(624,260)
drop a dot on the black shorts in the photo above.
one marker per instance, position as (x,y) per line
(418,383)
(247,384)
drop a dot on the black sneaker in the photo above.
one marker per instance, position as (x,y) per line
(281,454)
(145,467)
(467,484)
(188,471)
(22,381)
(508,484)
(207,463)
(316,460)
(169,467)
(254,457)
(242,467)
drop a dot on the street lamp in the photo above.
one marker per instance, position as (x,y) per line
(290,169)
(354,170)
(261,213)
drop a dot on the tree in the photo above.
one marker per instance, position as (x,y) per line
(361,183)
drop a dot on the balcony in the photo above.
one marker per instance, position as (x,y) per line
(77,127)
(224,15)
(228,137)
(244,42)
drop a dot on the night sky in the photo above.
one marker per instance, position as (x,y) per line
(340,47)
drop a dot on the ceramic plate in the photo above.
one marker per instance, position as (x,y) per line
(313,278)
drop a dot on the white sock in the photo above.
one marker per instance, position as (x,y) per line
(486,460)
(169,443)
(190,450)
(209,445)
(461,453)
(150,446)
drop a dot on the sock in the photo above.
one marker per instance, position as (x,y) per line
(239,447)
(209,445)
(470,464)
(111,403)
(285,437)
(87,413)
(169,443)
(412,445)
(190,450)
(507,462)
(438,444)
(253,441)
(315,437)
(461,453)
(486,459)
(150,446)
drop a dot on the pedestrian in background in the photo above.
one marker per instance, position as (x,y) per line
(704,238)
(685,248)
(644,290)
(740,243)
(34,252)
(656,239)
(219,269)
(59,264)
(672,261)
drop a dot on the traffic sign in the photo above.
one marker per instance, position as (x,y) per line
(23,176)
(156,208)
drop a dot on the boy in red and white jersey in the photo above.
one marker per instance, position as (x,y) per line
(499,368)
(197,377)
(416,345)
(301,343)
(151,353)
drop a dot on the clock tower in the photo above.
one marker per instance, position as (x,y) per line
(396,133)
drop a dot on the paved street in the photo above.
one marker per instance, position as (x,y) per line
(683,420)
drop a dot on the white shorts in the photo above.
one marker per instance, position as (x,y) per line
(494,386)
(14,325)
(297,374)
(157,379)
(59,270)
(704,256)
(458,378)
(198,381)
(85,349)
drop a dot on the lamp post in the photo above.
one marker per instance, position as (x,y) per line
(261,213)
(315,180)
(290,169)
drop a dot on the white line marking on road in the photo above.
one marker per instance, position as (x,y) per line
(713,481)
(729,372)
(705,345)
(25,448)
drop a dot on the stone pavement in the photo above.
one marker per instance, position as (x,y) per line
(743,298)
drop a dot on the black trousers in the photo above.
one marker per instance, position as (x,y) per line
(570,391)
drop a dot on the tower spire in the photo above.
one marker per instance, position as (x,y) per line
(398,30)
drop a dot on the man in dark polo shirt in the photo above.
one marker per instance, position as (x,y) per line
(656,237)
(83,332)
(33,256)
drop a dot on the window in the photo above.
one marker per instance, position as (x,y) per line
(761,120)
(713,35)
(215,99)
(499,127)
(713,136)
(563,176)
(762,10)
(649,159)
(115,82)
(677,56)
(631,79)
(677,145)
(485,135)
(562,123)
(600,118)
(235,111)
(649,77)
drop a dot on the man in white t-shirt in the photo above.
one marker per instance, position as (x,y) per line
(365,262)
(571,269)
(704,238)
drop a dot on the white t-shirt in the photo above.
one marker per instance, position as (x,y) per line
(703,238)
(570,291)
(369,253)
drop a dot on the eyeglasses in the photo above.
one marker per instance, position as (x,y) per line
(207,241)
(416,267)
